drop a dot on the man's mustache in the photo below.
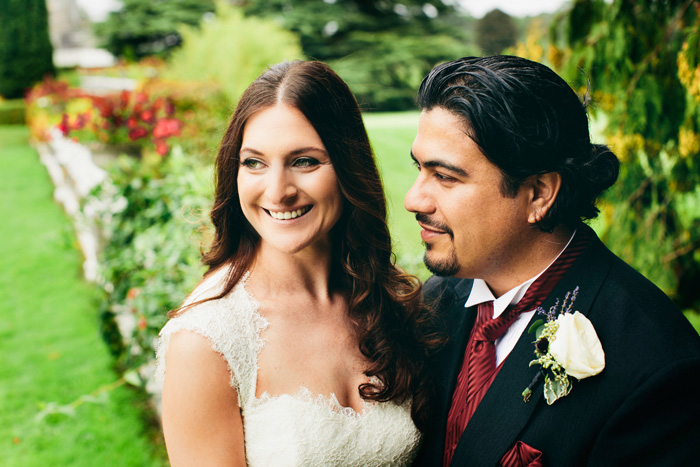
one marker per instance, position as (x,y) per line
(425,220)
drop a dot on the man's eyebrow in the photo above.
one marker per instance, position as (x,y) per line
(438,163)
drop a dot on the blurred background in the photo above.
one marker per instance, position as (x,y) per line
(110,117)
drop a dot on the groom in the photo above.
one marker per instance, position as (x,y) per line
(507,174)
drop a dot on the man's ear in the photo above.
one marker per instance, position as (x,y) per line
(544,190)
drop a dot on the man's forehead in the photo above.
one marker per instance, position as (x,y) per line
(441,132)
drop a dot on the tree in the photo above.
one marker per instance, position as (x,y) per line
(643,62)
(382,48)
(495,32)
(142,28)
(26,54)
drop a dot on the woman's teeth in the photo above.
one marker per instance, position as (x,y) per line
(289,214)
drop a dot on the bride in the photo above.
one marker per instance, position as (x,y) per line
(304,344)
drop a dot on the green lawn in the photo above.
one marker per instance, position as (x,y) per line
(51,351)
(392,135)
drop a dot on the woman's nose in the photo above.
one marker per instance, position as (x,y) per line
(281,186)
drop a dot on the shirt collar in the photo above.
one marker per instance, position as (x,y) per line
(482,293)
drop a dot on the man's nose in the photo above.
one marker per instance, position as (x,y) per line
(417,199)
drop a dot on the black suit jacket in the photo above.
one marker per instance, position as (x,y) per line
(643,409)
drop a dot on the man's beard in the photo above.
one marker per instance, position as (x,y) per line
(445,267)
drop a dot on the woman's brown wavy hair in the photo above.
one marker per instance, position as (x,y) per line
(394,328)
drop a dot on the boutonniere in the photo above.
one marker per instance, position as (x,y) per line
(566,346)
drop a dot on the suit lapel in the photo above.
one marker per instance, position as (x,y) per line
(502,413)
(463,320)
(458,323)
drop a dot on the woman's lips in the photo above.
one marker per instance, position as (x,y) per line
(288,214)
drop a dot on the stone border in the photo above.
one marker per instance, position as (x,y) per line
(74,173)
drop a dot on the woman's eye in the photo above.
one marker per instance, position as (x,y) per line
(305,162)
(252,163)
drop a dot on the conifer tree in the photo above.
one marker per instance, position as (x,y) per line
(26,53)
(141,28)
(495,31)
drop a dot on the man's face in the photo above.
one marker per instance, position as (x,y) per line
(470,228)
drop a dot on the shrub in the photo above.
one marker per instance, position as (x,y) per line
(231,51)
(151,219)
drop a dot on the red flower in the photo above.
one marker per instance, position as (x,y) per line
(63,126)
(166,127)
(147,116)
(125,97)
(105,107)
(132,122)
(161,147)
(79,122)
(138,133)
(169,108)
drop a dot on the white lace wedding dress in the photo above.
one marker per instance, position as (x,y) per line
(299,429)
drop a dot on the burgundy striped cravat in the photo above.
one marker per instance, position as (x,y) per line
(479,365)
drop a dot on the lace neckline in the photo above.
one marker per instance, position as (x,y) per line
(304,394)
(320,400)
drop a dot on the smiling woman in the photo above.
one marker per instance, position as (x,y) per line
(287,185)
(304,344)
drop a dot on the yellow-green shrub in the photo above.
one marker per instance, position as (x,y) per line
(231,51)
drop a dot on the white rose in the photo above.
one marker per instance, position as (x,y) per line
(576,346)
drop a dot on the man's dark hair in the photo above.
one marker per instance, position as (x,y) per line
(526,120)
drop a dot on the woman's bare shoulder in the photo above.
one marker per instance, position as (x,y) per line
(201,415)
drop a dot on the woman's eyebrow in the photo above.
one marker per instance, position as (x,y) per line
(295,152)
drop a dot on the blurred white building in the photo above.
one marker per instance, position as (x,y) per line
(73,41)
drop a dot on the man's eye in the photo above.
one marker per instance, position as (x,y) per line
(416,164)
(305,162)
(252,163)
(443,178)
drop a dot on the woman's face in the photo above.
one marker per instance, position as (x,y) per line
(287,186)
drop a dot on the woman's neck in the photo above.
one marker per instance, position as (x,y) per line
(277,273)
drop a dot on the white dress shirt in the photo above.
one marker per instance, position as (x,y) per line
(482,293)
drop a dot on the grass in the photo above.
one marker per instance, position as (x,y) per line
(12,112)
(51,351)
(392,135)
